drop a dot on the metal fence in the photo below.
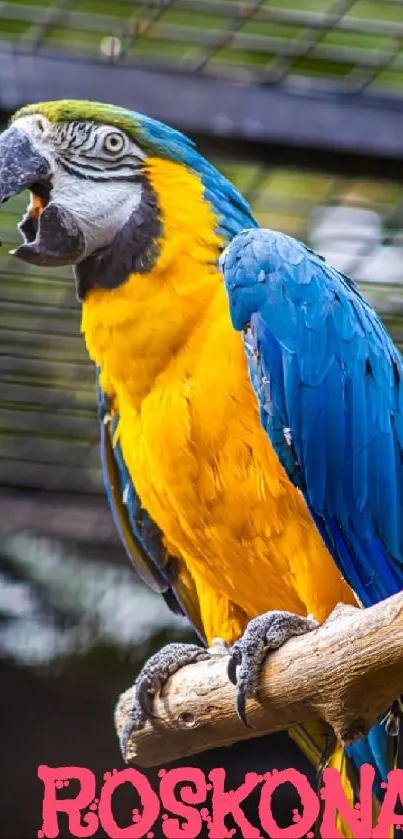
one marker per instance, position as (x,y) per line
(351,43)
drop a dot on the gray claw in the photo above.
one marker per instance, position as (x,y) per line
(264,633)
(124,737)
(233,661)
(145,693)
(240,705)
(152,678)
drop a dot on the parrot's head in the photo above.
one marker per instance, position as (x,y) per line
(94,204)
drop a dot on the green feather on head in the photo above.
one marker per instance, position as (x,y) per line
(137,126)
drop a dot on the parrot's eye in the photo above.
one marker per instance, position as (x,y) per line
(113,142)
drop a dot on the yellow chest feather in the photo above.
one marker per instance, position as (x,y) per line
(192,439)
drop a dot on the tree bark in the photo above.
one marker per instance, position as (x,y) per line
(347,672)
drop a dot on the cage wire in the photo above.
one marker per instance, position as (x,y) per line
(354,43)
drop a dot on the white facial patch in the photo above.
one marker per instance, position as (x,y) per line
(100,209)
(83,176)
(39,129)
(36,125)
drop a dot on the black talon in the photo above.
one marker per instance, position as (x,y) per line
(231,669)
(151,679)
(124,738)
(240,706)
(264,633)
(145,698)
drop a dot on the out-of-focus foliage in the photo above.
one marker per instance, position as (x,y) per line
(54,604)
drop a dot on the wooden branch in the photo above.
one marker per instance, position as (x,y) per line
(347,672)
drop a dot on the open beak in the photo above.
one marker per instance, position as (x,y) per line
(50,232)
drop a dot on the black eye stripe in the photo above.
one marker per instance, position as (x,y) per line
(80,141)
(87,148)
(80,163)
(82,136)
(85,173)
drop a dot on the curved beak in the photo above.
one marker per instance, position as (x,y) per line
(21,165)
(51,235)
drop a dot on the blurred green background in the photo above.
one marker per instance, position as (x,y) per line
(75,622)
(352,41)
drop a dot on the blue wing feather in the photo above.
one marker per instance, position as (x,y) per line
(338,390)
(328,379)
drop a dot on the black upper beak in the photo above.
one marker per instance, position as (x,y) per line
(53,236)
(21,165)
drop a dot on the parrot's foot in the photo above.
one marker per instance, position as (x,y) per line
(152,678)
(267,632)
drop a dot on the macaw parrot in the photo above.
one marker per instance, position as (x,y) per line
(192,412)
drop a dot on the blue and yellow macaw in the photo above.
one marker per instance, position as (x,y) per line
(202,502)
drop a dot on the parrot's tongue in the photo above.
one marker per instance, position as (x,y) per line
(28,226)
